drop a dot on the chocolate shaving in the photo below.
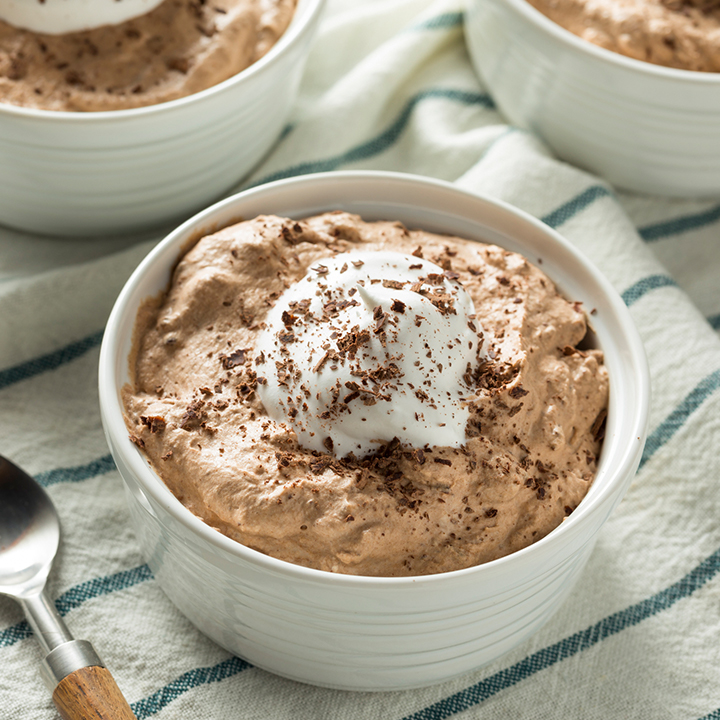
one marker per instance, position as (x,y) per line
(352,342)
(435,278)
(283,458)
(517,392)
(155,423)
(329,355)
(193,415)
(380,317)
(319,465)
(237,357)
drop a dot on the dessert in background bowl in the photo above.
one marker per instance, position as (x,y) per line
(124,126)
(100,55)
(641,125)
(683,34)
(366,632)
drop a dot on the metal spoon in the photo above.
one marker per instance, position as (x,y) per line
(81,686)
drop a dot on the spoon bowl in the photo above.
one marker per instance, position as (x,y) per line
(29,532)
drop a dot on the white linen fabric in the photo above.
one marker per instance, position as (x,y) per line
(389,86)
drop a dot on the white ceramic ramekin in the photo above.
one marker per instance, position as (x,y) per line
(369,633)
(72,173)
(641,126)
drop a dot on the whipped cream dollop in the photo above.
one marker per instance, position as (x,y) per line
(56,17)
(368,347)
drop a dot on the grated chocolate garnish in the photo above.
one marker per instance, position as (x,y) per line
(155,423)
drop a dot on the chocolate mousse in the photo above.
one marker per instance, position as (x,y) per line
(366,399)
(682,34)
(179,48)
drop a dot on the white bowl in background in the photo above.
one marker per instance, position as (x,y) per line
(375,633)
(87,173)
(642,127)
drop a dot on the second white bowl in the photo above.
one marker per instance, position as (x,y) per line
(641,126)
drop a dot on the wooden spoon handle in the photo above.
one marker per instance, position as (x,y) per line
(91,693)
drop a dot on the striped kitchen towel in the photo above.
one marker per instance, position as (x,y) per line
(389,86)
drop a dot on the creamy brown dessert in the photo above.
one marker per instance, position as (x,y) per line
(681,34)
(179,48)
(531,403)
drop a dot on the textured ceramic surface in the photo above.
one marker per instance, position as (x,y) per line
(365,633)
(642,127)
(69,173)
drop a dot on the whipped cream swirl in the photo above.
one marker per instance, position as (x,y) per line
(56,17)
(368,347)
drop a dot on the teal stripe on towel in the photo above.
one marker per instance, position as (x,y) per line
(712,716)
(572,207)
(385,140)
(644,286)
(78,473)
(79,594)
(677,226)
(50,361)
(187,681)
(445,21)
(677,418)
